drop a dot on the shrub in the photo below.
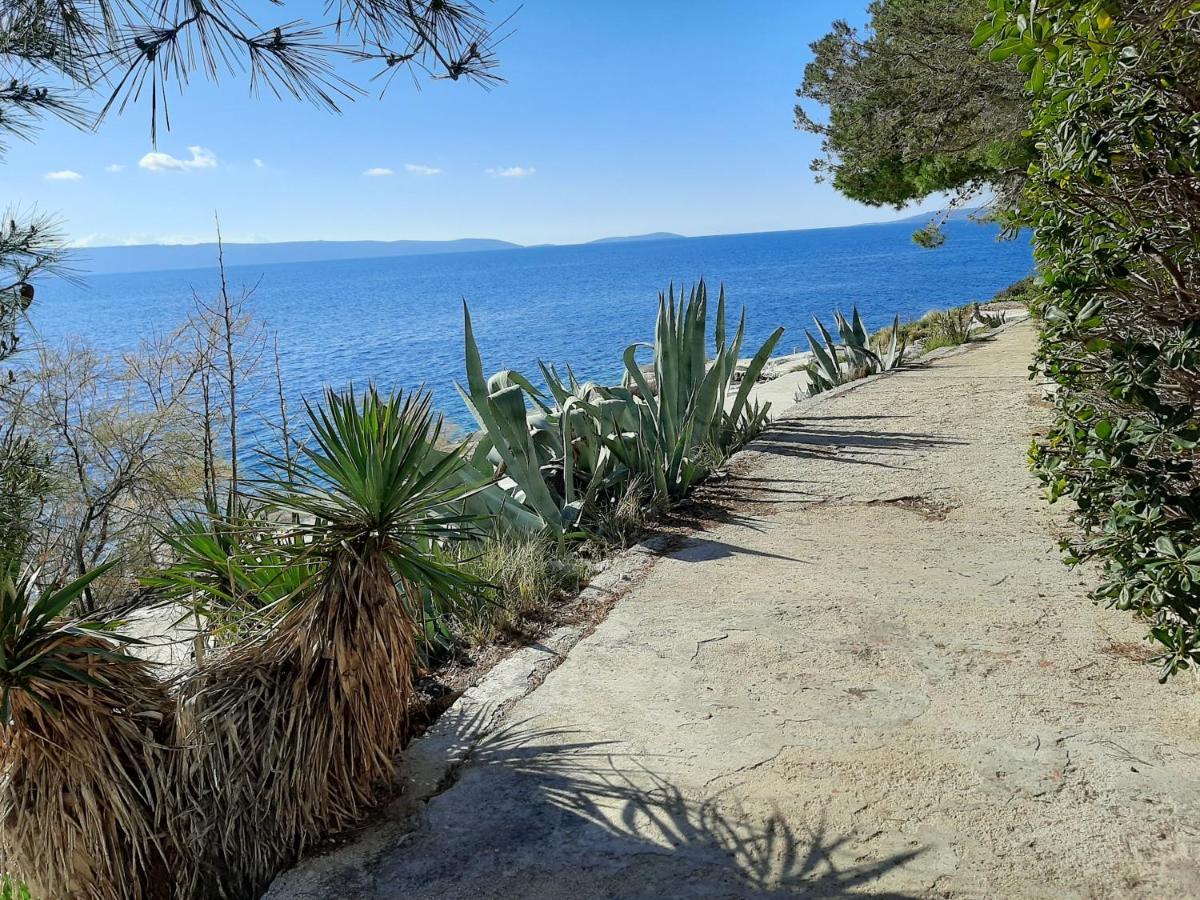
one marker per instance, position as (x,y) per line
(290,734)
(85,734)
(1114,205)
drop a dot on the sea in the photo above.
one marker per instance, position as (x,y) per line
(399,321)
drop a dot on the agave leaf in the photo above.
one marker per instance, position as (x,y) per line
(826,361)
(750,376)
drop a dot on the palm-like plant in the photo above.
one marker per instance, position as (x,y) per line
(83,734)
(294,732)
(231,572)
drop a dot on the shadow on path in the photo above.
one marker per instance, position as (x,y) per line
(702,549)
(541,814)
(820,437)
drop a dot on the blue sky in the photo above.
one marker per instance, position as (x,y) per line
(618,117)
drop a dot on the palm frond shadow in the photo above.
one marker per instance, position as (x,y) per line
(606,804)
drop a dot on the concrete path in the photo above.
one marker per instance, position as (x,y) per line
(874,679)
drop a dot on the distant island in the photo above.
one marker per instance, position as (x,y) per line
(966,214)
(160,257)
(652,236)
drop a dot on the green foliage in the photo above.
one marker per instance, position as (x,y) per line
(370,479)
(1114,205)
(913,109)
(685,417)
(560,459)
(24,482)
(41,649)
(13,890)
(856,357)
(231,571)
(534,451)
(523,573)
(950,327)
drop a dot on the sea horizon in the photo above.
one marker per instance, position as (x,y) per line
(397,321)
(80,253)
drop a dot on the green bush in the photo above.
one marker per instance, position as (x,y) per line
(1114,205)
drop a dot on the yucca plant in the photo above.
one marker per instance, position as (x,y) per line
(293,733)
(230,572)
(86,729)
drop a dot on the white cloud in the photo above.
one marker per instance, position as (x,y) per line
(115,167)
(416,169)
(259,164)
(165,162)
(378,172)
(64,175)
(511,172)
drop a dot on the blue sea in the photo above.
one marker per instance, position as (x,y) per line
(398,321)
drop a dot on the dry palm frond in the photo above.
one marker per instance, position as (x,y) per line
(82,753)
(293,733)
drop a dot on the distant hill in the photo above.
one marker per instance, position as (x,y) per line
(652,236)
(958,215)
(158,257)
(155,257)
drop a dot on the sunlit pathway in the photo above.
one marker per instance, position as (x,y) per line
(875,679)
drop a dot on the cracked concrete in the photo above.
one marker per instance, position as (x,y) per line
(875,679)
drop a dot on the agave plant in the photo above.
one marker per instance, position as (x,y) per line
(856,357)
(576,451)
(292,734)
(534,453)
(992,319)
(688,416)
(85,728)
(951,327)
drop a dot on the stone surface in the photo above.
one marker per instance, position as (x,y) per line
(874,679)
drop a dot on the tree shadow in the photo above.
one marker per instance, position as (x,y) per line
(539,813)
(700,549)
(820,438)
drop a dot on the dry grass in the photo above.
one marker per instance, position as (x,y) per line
(291,736)
(622,522)
(81,811)
(525,573)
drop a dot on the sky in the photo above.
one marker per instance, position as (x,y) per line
(617,117)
